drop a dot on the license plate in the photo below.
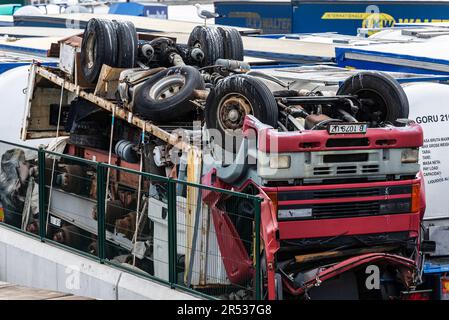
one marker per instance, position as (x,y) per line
(55,221)
(347,128)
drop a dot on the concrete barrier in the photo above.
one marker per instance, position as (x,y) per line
(27,261)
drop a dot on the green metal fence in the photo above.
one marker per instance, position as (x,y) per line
(188,236)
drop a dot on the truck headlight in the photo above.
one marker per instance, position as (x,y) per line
(280,162)
(409,156)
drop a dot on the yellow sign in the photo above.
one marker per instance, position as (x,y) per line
(370,20)
(345,15)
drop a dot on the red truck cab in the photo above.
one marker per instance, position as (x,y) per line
(333,205)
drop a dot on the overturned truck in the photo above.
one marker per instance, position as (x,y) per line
(315,194)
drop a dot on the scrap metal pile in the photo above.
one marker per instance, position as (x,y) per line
(333,141)
(205,80)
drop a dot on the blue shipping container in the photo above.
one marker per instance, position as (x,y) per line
(345,17)
(270,17)
(158,11)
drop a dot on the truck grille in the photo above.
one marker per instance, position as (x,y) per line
(307,204)
(343,193)
(346,209)
(345,170)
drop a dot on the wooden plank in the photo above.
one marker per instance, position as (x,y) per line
(24,293)
(108,82)
(71,298)
(14,292)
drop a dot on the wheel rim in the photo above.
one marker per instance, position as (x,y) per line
(167,87)
(232,110)
(91,49)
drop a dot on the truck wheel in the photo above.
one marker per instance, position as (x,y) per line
(382,97)
(233,44)
(210,41)
(127,44)
(234,98)
(166,95)
(99,46)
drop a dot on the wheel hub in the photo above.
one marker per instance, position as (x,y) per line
(232,111)
(90,48)
(167,87)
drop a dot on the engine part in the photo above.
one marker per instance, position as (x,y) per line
(314,119)
(128,81)
(161,156)
(233,65)
(163,50)
(127,151)
(197,54)
(147,51)
(176,60)
(149,164)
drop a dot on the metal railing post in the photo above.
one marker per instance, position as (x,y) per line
(258,280)
(42,193)
(172,246)
(101,198)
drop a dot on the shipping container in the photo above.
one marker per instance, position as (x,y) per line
(151,10)
(345,17)
(270,17)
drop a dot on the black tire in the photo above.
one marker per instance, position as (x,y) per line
(233,44)
(127,44)
(99,46)
(210,41)
(383,99)
(252,92)
(151,101)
